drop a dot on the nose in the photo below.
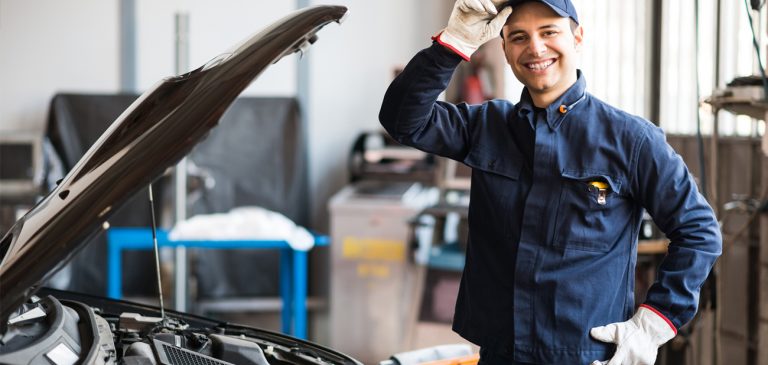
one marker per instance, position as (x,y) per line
(538,46)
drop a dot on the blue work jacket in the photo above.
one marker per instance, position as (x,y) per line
(553,244)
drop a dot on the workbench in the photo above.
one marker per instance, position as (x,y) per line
(652,247)
(293,267)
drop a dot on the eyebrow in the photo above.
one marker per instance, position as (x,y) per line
(517,31)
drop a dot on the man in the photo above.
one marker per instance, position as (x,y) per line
(559,182)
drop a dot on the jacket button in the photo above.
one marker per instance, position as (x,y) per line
(492,164)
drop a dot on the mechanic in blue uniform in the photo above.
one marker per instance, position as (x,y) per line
(559,183)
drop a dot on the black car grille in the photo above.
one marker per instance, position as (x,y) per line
(172,355)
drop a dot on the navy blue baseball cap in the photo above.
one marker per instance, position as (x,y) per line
(564,8)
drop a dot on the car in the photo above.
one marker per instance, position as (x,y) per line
(44,326)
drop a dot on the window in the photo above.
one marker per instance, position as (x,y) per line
(678,75)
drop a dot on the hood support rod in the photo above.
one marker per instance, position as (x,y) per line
(157,254)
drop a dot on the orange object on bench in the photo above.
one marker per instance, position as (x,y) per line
(464,360)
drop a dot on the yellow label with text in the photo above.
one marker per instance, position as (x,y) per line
(372,271)
(373,249)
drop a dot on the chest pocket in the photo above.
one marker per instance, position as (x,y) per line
(503,166)
(592,212)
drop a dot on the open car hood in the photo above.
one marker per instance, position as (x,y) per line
(154,133)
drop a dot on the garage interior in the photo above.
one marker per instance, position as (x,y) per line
(302,148)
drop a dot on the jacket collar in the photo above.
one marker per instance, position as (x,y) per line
(556,112)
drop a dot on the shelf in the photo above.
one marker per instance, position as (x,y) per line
(754,108)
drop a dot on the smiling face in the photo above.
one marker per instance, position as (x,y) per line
(541,49)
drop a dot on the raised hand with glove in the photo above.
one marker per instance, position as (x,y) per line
(472,23)
(638,339)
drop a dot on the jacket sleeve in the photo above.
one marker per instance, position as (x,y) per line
(669,194)
(412,115)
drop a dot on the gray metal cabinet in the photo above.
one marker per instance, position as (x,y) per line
(374,281)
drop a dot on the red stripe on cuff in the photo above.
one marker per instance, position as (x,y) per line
(654,310)
(437,39)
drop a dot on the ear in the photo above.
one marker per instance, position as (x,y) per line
(578,37)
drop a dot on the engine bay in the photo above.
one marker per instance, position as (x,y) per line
(48,330)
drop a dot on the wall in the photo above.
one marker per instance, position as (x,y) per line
(214,27)
(350,68)
(47,46)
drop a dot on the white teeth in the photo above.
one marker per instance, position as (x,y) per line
(540,65)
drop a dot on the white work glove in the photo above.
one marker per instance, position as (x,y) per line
(472,23)
(637,340)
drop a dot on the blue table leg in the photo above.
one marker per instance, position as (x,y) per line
(114,270)
(300,294)
(286,281)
